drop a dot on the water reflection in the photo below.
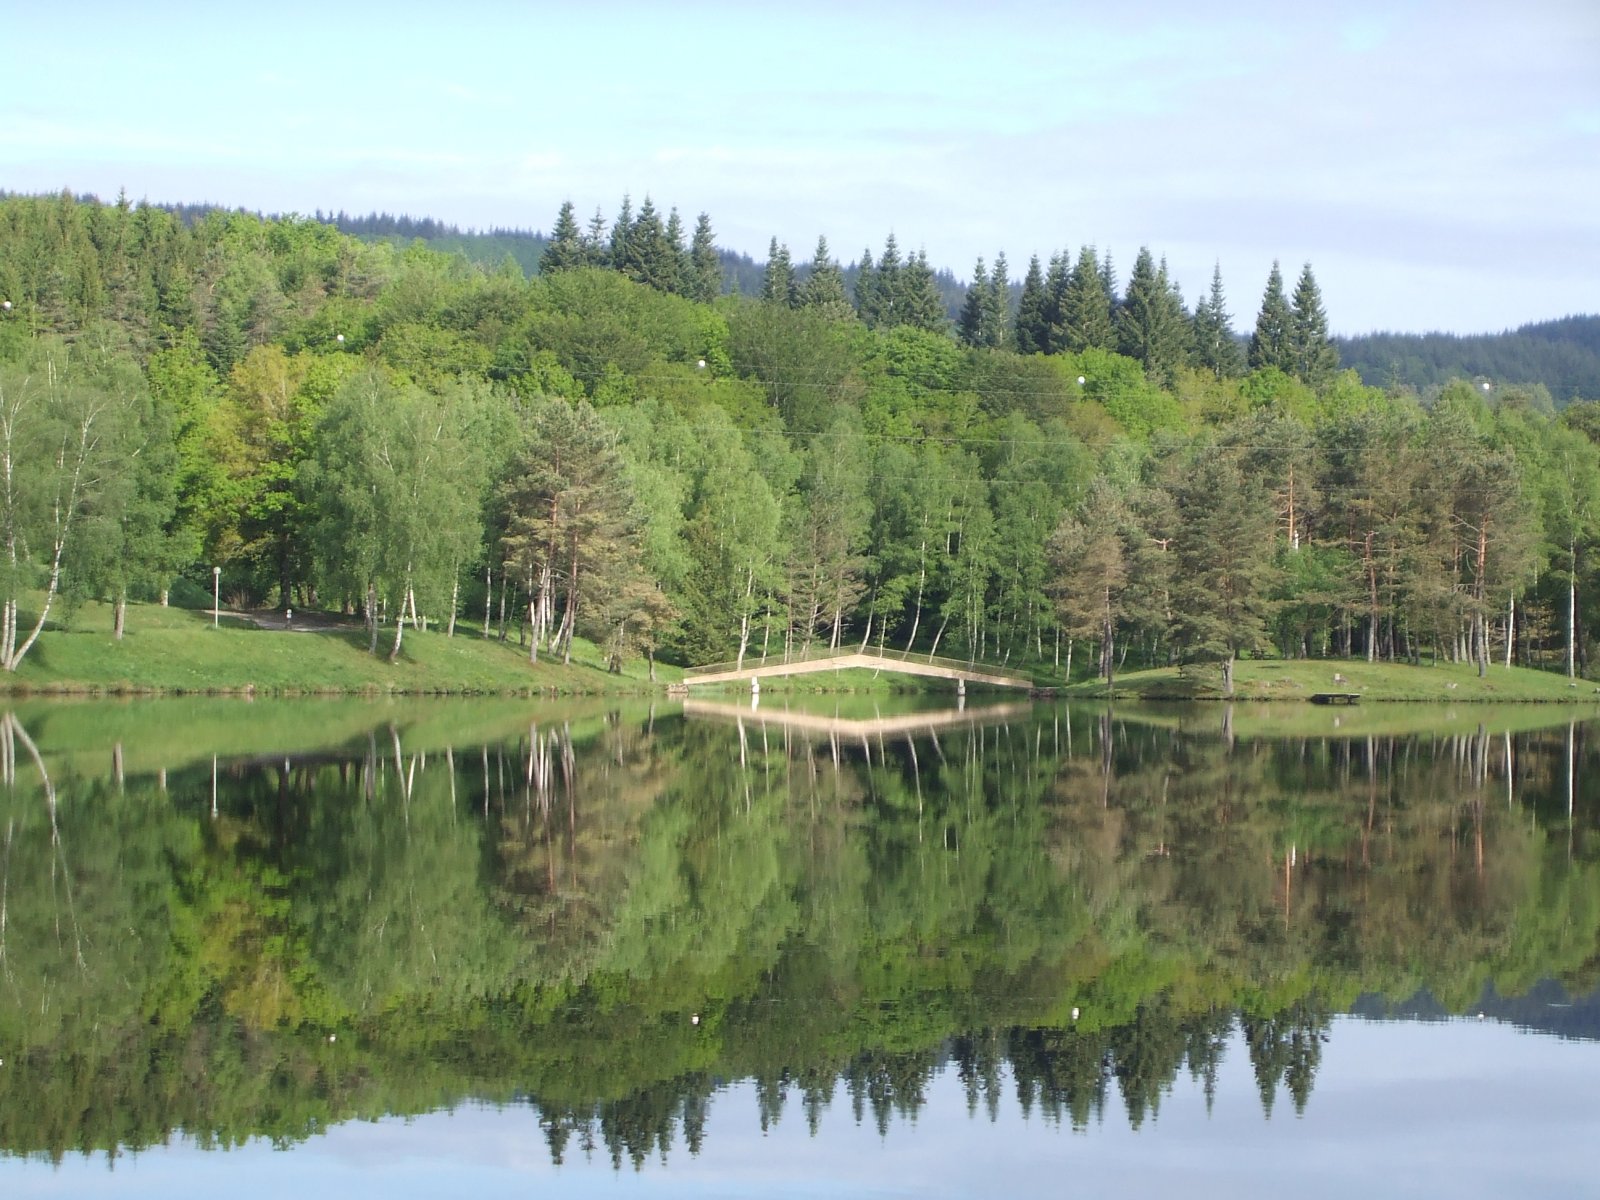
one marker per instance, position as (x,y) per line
(606,915)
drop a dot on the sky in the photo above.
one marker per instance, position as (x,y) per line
(1437,162)
(1457,1109)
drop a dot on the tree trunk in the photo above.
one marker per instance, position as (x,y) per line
(1572,610)
(744,614)
(119,619)
(922,576)
(400,619)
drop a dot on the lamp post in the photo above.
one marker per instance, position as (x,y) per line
(216,596)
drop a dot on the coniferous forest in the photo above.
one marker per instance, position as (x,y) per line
(1079,468)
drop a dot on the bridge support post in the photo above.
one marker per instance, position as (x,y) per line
(961,687)
(755,686)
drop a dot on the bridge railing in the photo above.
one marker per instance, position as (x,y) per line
(821,654)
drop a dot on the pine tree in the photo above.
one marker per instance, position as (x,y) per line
(646,256)
(565,250)
(998,324)
(970,327)
(777,284)
(596,253)
(1150,324)
(617,254)
(824,285)
(1032,332)
(1108,282)
(1269,344)
(1215,348)
(703,281)
(921,305)
(888,286)
(1086,319)
(1175,316)
(867,290)
(1057,276)
(676,254)
(594,241)
(1312,356)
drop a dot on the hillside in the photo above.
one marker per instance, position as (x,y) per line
(1563,355)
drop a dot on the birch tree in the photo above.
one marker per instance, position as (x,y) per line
(399,483)
(61,453)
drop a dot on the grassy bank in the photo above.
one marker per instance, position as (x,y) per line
(177,650)
(1300,679)
(77,734)
(172,650)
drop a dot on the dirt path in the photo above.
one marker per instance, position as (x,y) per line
(301,622)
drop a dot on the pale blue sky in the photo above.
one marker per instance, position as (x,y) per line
(1438,162)
(1456,1109)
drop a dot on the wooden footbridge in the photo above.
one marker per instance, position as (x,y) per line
(753,670)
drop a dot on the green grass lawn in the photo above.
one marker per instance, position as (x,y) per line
(178,650)
(1300,679)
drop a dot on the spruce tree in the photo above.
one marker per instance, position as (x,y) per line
(704,278)
(1032,332)
(887,287)
(1086,321)
(621,230)
(1312,356)
(564,251)
(970,326)
(921,305)
(646,255)
(1150,324)
(1215,348)
(777,284)
(1056,285)
(1269,344)
(594,241)
(997,327)
(866,290)
(1175,317)
(824,286)
(676,255)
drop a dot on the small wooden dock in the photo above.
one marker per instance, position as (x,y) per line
(1336,698)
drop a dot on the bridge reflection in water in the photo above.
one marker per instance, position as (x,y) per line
(756,669)
(802,721)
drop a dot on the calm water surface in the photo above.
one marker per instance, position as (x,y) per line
(420,949)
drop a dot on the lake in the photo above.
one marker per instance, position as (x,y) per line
(852,948)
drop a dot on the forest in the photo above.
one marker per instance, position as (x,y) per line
(1082,473)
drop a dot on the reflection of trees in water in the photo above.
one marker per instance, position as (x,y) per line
(1063,1076)
(543,916)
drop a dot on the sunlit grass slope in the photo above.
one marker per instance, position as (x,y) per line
(178,650)
(1300,679)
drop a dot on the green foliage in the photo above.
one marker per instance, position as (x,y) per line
(1445,537)
(1269,344)
(1311,353)
(1216,349)
(602,915)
